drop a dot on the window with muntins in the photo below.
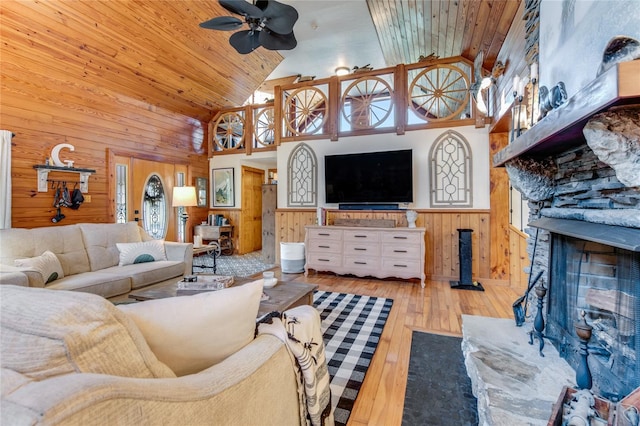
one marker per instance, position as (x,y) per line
(302,170)
(450,160)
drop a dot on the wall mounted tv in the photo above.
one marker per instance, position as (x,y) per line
(372,177)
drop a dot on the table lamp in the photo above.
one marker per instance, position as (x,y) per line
(183,196)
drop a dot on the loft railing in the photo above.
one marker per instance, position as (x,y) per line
(423,95)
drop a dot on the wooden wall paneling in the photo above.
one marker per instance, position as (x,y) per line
(519,259)
(499,201)
(441,237)
(90,117)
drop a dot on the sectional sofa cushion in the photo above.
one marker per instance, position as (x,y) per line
(142,252)
(100,241)
(64,241)
(142,274)
(191,333)
(56,332)
(47,264)
(100,283)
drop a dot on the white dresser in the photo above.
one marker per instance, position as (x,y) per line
(377,252)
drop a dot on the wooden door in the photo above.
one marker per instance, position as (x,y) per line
(251,210)
(141,171)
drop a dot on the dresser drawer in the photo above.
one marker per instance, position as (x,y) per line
(401,267)
(318,260)
(402,251)
(324,246)
(326,233)
(354,263)
(361,249)
(401,237)
(361,236)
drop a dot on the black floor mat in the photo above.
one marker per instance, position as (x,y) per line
(438,389)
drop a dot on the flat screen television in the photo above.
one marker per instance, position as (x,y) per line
(372,177)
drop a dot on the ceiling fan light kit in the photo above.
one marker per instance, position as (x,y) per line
(270,25)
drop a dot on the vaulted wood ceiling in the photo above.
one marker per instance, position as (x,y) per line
(155,51)
(408,29)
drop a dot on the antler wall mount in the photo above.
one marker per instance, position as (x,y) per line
(270,25)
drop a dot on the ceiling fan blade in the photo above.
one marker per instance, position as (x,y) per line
(241,7)
(280,18)
(273,41)
(224,23)
(244,41)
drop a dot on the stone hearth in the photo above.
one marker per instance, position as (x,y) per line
(513,383)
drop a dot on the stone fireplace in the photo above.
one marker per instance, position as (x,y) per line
(582,180)
(579,169)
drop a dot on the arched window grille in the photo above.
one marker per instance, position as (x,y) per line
(302,174)
(450,160)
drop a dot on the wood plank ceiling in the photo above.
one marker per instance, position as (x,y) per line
(154,51)
(408,29)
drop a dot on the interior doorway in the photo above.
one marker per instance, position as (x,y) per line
(250,238)
(142,191)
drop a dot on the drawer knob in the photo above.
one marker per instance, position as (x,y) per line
(360,249)
(360,263)
(399,251)
(398,237)
(323,246)
(400,266)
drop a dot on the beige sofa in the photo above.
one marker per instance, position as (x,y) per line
(89,258)
(75,358)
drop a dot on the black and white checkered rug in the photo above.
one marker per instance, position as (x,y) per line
(351,326)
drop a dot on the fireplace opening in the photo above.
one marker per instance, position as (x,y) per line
(604,282)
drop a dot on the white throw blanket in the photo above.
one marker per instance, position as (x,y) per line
(299,329)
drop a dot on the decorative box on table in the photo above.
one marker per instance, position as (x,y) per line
(203,282)
(623,413)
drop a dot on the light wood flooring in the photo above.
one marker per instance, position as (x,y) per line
(436,308)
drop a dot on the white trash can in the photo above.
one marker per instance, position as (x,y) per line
(292,258)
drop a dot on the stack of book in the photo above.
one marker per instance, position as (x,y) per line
(216,220)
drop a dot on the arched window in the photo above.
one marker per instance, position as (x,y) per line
(302,173)
(154,208)
(450,160)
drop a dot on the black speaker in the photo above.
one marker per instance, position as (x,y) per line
(365,206)
(465,258)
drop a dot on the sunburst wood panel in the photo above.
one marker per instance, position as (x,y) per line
(408,29)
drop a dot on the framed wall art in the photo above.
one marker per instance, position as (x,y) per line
(201,191)
(222,187)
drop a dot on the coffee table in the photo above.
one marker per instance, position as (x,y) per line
(285,295)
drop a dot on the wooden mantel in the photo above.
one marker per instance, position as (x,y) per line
(562,127)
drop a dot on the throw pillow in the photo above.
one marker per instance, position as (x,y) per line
(148,251)
(191,333)
(47,264)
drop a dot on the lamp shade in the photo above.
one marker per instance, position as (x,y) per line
(184,196)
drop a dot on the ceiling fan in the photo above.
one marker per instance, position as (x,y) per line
(270,25)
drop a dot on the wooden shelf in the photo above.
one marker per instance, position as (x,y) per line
(43,176)
(562,127)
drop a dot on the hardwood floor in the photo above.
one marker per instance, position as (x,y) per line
(436,308)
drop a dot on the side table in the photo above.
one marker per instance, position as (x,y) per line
(211,251)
